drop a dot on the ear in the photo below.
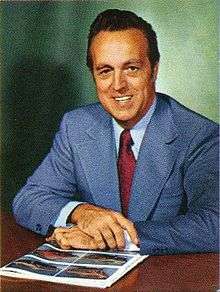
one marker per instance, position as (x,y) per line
(155,71)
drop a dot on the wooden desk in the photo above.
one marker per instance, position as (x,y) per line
(189,272)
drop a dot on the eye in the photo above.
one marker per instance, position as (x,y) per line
(104,72)
(133,68)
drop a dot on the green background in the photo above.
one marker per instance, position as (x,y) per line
(44,71)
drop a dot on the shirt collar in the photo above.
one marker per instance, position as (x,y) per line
(137,132)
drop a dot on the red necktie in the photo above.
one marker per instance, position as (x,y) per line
(126,166)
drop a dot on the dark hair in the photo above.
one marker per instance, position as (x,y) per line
(116,20)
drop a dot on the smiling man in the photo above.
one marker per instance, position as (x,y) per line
(124,78)
(137,161)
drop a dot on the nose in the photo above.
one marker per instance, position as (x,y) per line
(119,81)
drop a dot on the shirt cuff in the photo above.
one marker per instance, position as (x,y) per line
(65,212)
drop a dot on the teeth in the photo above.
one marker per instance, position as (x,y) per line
(123,98)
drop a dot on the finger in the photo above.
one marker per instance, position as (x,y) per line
(129,226)
(109,237)
(83,243)
(94,233)
(79,239)
(49,239)
(98,239)
(89,244)
(61,239)
(57,232)
(63,243)
(118,233)
(52,237)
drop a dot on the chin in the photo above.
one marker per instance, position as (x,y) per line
(123,115)
(124,122)
(122,118)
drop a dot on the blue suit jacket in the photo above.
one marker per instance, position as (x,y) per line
(174,199)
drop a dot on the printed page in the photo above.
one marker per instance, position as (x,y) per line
(79,267)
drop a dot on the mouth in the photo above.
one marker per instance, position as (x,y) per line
(123,99)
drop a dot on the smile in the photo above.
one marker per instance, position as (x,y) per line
(123,98)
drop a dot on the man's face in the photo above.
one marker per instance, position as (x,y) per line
(123,75)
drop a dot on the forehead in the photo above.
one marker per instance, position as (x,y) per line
(129,43)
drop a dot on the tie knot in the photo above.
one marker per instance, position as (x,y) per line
(126,139)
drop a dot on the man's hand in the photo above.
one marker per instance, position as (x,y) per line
(73,237)
(105,226)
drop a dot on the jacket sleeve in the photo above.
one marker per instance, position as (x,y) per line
(196,230)
(50,188)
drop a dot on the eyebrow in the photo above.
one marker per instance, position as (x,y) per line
(131,61)
(102,66)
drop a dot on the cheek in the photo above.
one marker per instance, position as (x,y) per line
(140,82)
(102,94)
(102,86)
(139,87)
(145,84)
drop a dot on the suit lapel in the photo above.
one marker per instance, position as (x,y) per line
(155,161)
(98,158)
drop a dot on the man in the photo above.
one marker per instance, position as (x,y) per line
(138,161)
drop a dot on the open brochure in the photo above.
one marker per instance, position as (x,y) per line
(76,267)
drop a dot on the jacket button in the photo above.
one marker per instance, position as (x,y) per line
(38,227)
